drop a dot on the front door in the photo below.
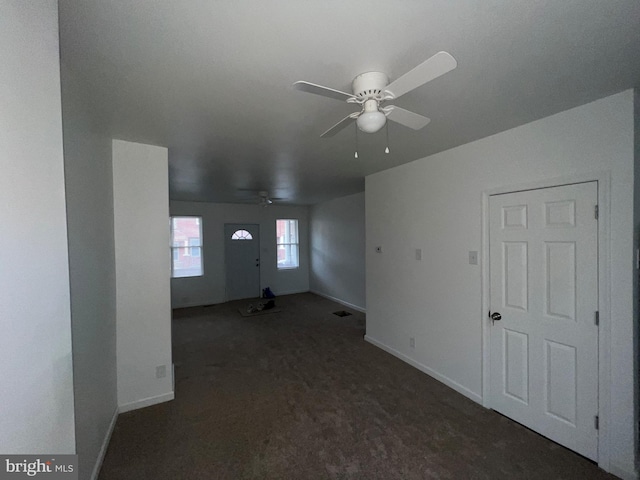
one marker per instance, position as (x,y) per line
(544,298)
(242,259)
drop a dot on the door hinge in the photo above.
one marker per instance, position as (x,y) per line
(596,421)
(597,318)
(596,212)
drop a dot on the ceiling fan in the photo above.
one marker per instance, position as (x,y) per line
(372,89)
(265,200)
(262,196)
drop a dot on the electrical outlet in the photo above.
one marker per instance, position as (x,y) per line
(412,342)
(161,371)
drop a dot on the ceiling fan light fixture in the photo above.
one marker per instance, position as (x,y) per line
(264,198)
(371,119)
(371,122)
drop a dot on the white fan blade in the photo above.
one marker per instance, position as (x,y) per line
(405,117)
(342,124)
(437,65)
(320,90)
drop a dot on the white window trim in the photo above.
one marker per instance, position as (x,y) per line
(297,244)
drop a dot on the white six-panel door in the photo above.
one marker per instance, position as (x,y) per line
(544,350)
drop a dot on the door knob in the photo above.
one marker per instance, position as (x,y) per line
(495,316)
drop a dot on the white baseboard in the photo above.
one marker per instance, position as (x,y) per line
(623,473)
(290,292)
(146,402)
(342,302)
(105,445)
(423,368)
(207,303)
(196,304)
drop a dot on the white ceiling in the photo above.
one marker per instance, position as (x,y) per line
(212,80)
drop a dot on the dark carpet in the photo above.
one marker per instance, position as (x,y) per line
(300,395)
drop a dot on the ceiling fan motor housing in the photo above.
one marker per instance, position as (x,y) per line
(369,85)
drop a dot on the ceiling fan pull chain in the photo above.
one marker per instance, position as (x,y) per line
(356,154)
(386,150)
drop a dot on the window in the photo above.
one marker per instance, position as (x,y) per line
(241,235)
(287,243)
(186,247)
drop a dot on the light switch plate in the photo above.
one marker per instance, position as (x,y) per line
(473,258)
(418,254)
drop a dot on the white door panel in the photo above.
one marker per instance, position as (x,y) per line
(544,350)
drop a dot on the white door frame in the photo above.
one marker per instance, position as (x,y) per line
(604,295)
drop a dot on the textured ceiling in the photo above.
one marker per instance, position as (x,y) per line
(211,80)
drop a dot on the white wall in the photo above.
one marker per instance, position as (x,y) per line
(436,204)
(36,393)
(337,248)
(89,193)
(141,225)
(210,288)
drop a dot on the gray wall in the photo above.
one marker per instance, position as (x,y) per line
(36,379)
(210,288)
(337,250)
(89,195)
(636,246)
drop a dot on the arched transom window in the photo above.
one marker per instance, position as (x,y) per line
(241,235)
